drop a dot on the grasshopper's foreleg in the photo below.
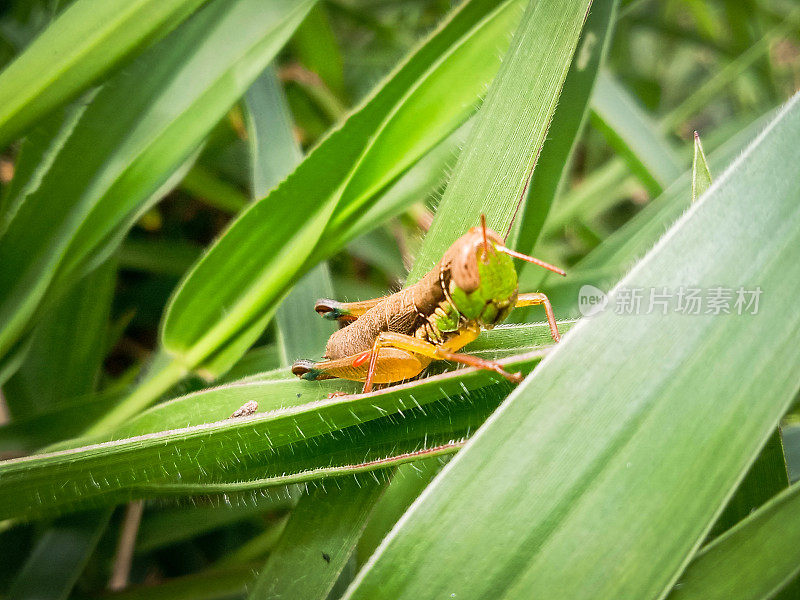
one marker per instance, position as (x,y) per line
(422,348)
(344,312)
(535,299)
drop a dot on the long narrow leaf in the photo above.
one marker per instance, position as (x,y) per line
(491,173)
(560,481)
(753,560)
(250,266)
(568,122)
(113,162)
(85,42)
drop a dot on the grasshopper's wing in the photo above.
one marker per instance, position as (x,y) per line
(344,312)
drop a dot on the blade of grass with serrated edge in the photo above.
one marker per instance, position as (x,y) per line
(282,390)
(107,472)
(560,480)
(510,129)
(568,122)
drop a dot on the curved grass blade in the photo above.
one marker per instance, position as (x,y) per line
(115,161)
(752,561)
(538,476)
(568,123)
(85,42)
(249,268)
(492,172)
(106,472)
(280,390)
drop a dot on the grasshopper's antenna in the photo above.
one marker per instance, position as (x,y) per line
(485,240)
(530,259)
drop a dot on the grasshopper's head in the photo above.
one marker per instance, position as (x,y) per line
(483,280)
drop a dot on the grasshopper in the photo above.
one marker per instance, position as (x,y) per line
(389,339)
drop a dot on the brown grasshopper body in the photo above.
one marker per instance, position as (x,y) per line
(393,338)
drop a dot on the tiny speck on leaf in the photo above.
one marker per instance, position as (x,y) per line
(325,557)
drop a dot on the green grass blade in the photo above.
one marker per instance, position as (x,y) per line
(572,449)
(318,49)
(109,472)
(59,557)
(767,477)
(211,584)
(84,43)
(274,154)
(568,122)
(67,349)
(171,525)
(752,561)
(505,142)
(701,176)
(172,95)
(251,265)
(317,542)
(634,135)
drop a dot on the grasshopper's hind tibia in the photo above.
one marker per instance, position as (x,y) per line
(535,299)
(344,312)
(422,349)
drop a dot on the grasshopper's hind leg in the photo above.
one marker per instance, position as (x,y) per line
(388,340)
(535,299)
(393,365)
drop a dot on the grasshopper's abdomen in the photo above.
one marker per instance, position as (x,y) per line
(402,312)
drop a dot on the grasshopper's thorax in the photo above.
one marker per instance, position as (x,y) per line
(480,290)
